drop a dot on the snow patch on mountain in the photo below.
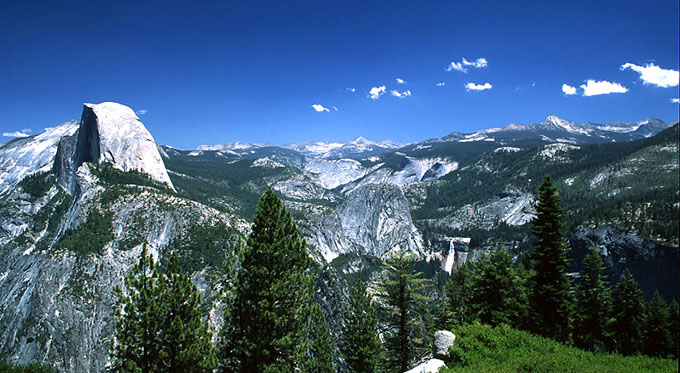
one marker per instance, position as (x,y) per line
(506,149)
(551,151)
(567,125)
(29,155)
(335,172)
(267,163)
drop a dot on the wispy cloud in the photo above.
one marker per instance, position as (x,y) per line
(319,108)
(376,92)
(480,62)
(568,90)
(461,66)
(401,94)
(601,87)
(351,89)
(478,87)
(456,66)
(655,75)
(401,81)
(23,133)
(440,84)
(675,100)
(335,108)
(142,111)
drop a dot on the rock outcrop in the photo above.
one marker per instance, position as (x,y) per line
(111,132)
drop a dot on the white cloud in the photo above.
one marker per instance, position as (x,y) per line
(335,108)
(533,84)
(456,66)
(22,133)
(376,92)
(319,108)
(142,111)
(568,90)
(460,66)
(401,81)
(351,89)
(441,84)
(401,94)
(477,87)
(675,100)
(652,74)
(480,62)
(601,87)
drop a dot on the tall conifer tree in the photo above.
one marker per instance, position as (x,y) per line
(458,291)
(550,297)
(272,293)
(138,325)
(185,339)
(321,354)
(629,315)
(498,294)
(361,348)
(159,327)
(658,341)
(403,290)
(593,305)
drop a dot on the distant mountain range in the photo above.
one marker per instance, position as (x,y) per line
(78,202)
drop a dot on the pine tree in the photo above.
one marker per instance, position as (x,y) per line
(498,291)
(629,314)
(159,327)
(675,328)
(457,292)
(185,338)
(272,293)
(321,354)
(137,345)
(593,305)
(658,338)
(550,296)
(402,291)
(361,348)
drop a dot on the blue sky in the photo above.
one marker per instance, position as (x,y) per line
(208,72)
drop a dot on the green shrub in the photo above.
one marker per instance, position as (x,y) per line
(38,184)
(30,368)
(89,237)
(480,348)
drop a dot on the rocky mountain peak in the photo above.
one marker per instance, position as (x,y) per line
(111,132)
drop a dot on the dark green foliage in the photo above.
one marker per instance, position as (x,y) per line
(321,355)
(457,292)
(90,236)
(30,368)
(407,338)
(38,184)
(593,306)
(675,328)
(185,338)
(159,327)
(361,348)
(202,245)
(658,340)
(367,266)
(107,173)
(550,296)
(138,326)
(479,348)
(272,293)
(629,314)
(498,292)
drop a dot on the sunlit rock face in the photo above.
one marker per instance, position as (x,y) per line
(111,132)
